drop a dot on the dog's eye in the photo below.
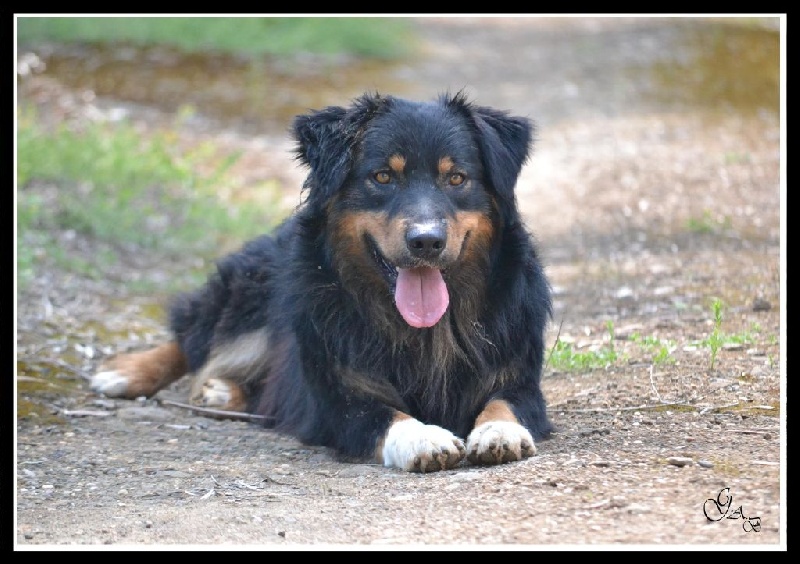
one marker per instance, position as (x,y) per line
(456,179)
(382,177)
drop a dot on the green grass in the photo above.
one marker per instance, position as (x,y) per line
(111,183)
(565,358)
(372,37)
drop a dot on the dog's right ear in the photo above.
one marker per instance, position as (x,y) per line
(326,143)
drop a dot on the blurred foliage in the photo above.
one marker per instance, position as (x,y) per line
(109,182)
(381,37)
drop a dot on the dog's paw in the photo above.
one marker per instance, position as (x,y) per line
(496,442)
(219,394)
(112,383)
(416,447)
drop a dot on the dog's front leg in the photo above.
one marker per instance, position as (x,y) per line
(498,437)
(414,446)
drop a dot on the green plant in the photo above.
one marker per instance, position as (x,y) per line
(737,158)
(660,350)
(610,329)
(707,223)
(564,357)
(716,339)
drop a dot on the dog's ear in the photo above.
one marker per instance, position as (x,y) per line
(326,143)
(505,142)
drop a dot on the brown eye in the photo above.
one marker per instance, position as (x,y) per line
(456,179)
(382,177)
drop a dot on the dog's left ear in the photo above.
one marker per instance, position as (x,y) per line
(505,142)
(326,142)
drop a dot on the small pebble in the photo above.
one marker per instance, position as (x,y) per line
(705,463)
(600,463)
(760,304)
(679,460)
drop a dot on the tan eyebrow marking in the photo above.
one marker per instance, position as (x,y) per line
(397,163)
(446,165)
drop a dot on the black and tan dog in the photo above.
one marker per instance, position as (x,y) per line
(399,311)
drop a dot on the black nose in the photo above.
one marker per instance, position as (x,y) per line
(426,241)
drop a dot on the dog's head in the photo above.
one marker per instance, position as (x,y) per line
(412,192)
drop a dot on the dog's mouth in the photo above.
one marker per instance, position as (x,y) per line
(420,292)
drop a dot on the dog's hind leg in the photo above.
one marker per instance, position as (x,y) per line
(220,383)
(218,393)
(132,375)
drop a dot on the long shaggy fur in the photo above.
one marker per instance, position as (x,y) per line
(323,352)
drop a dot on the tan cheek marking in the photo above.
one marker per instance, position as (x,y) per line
(398,417)
(477,225)
(496,410)
(388,234)
(349,229)
(353,225)
(397,163)
(446,165)
(393,239)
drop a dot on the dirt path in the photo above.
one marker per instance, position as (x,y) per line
(646,209)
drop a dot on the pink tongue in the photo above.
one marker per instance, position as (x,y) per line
(421,296)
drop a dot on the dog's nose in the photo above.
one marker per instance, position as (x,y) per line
(427,240)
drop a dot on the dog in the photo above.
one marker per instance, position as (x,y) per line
(398,316)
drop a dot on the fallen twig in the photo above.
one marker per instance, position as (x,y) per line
(609,409)
(653,385)
(216,412)
(754,431)
(85,413)
(553,348)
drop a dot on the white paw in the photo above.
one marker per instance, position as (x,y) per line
(496,442)
(416,447)
(214,393)
(110,383)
